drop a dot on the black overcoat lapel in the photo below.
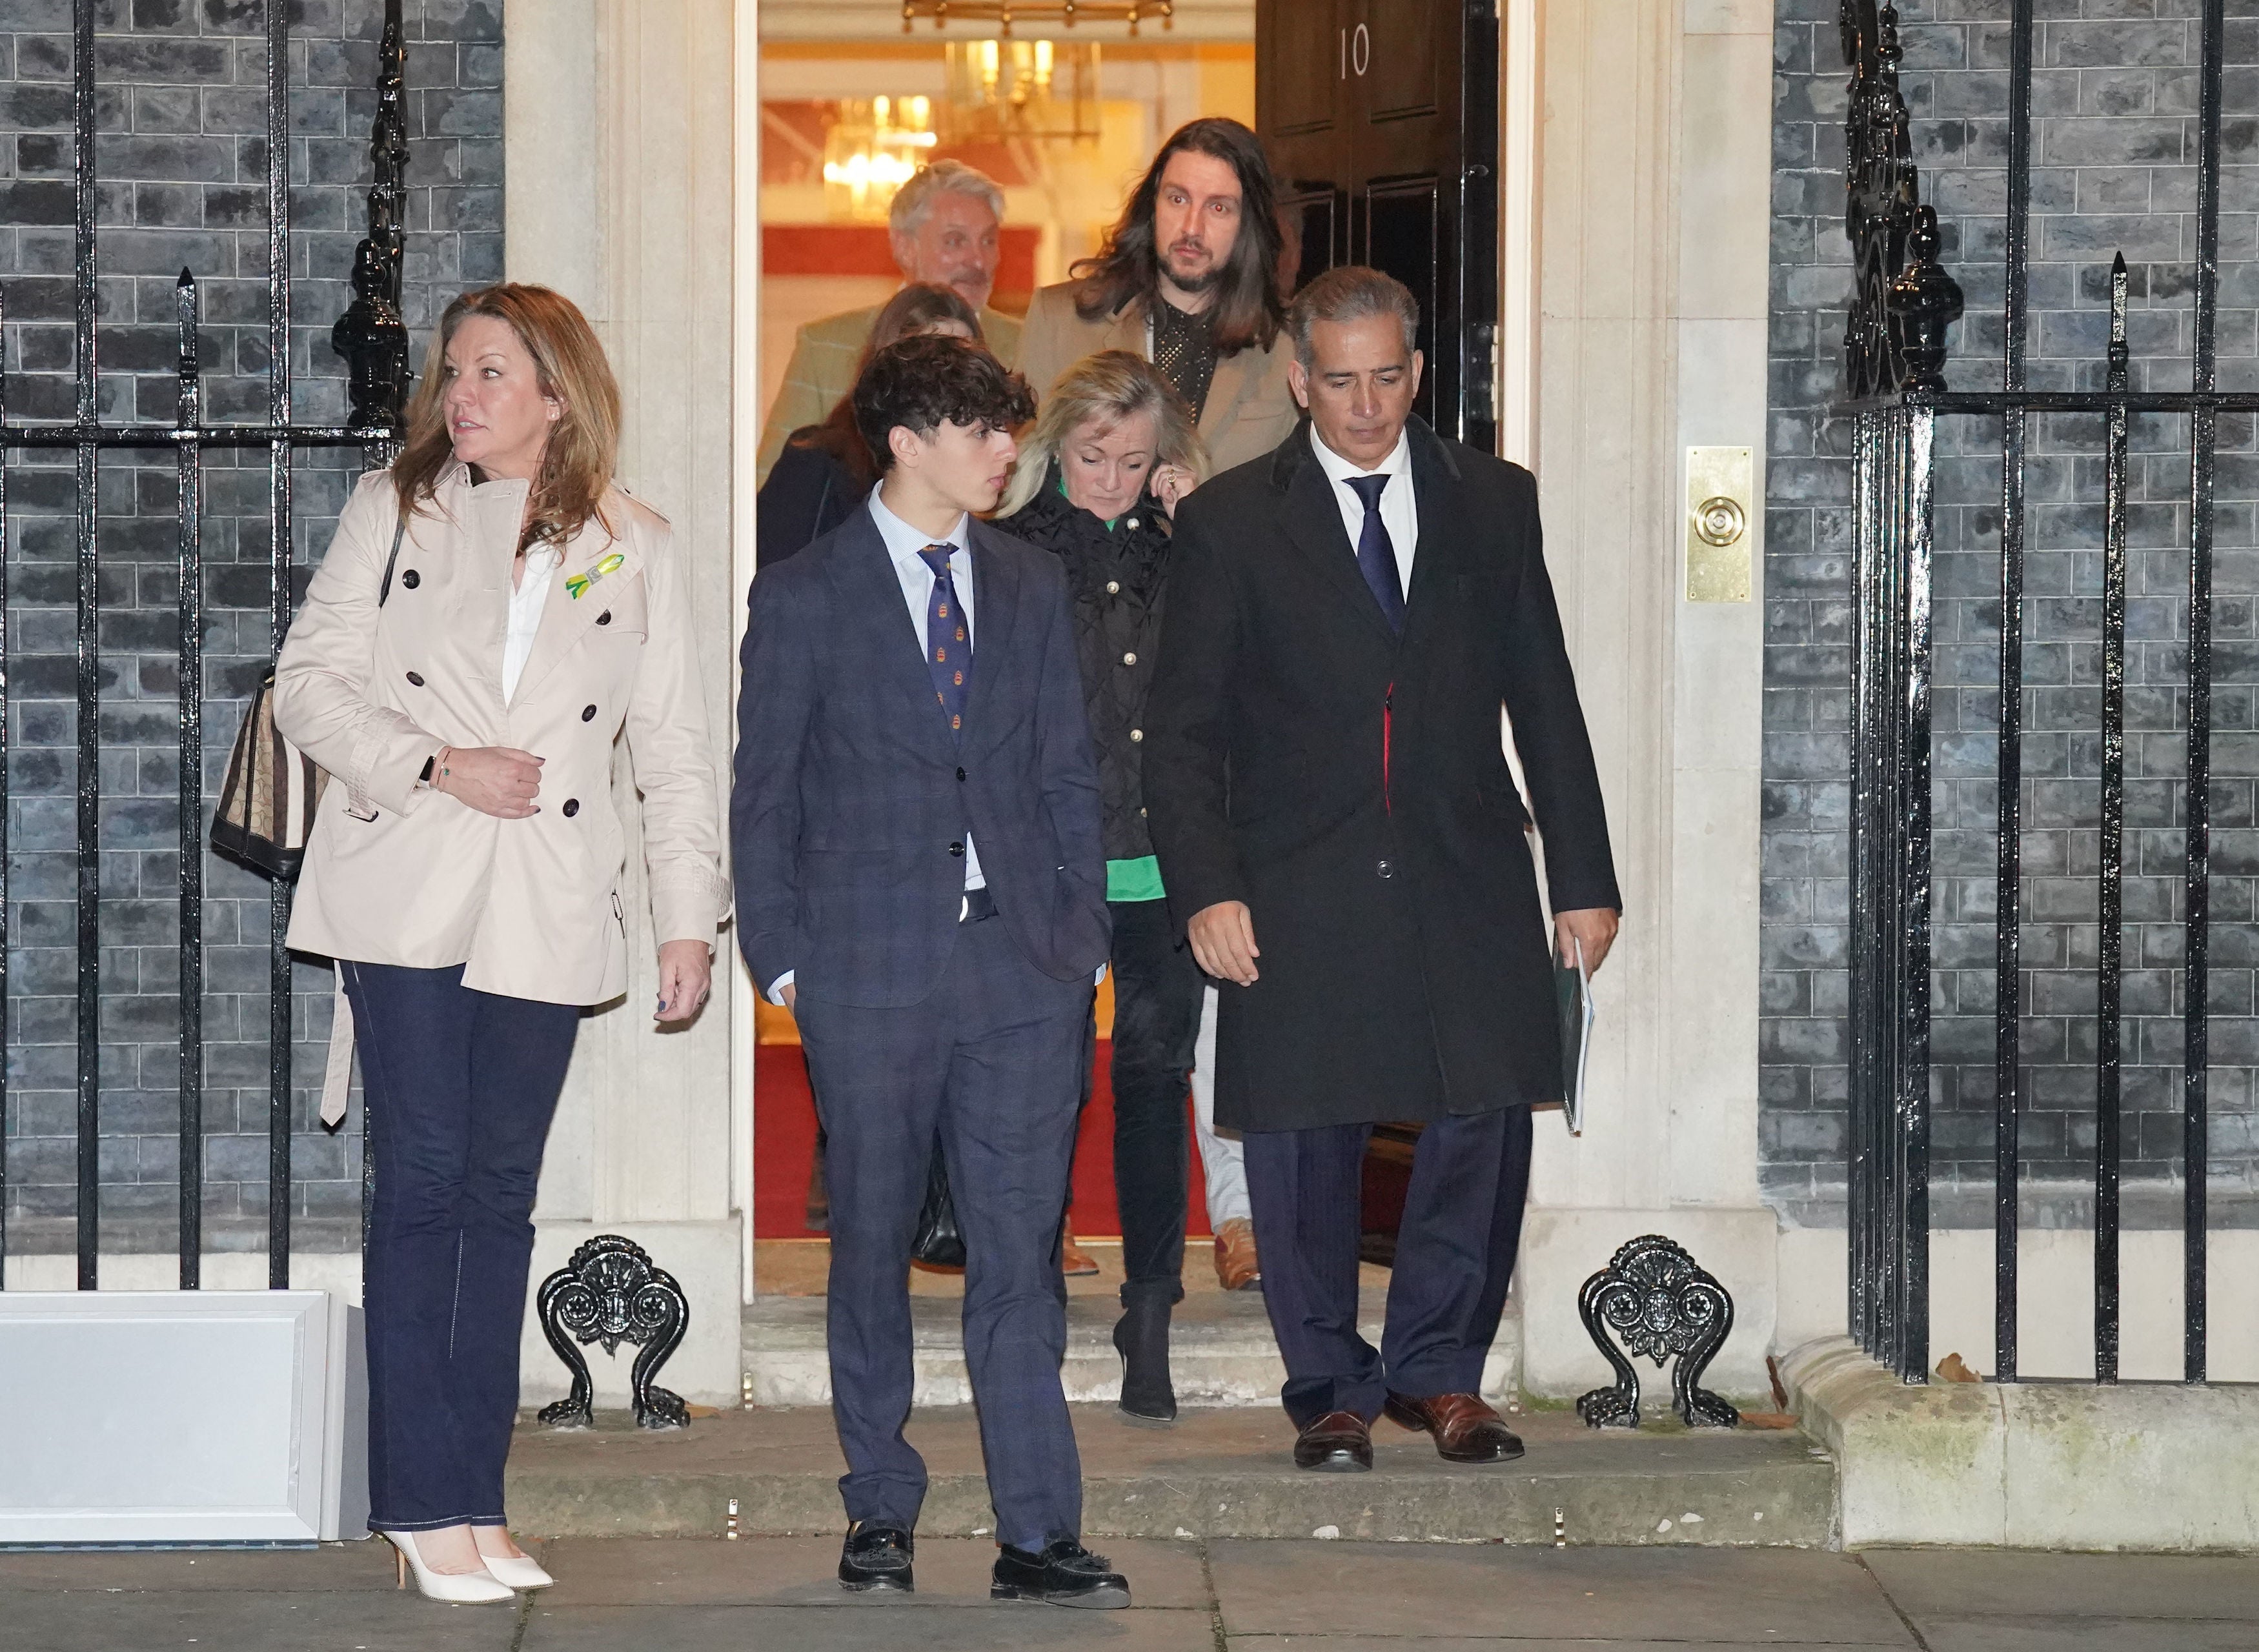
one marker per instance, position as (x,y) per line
(1440,493)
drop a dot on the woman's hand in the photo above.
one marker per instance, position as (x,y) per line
(494,780)
(686,975)
(1169,484)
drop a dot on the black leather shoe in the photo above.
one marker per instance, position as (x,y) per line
(1142,1338)
(1336,1443)
(1065,1574)
(876,1557)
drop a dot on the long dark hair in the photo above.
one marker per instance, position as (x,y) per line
(911,310)
(1247,309)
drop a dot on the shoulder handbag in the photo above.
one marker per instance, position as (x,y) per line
(266,810)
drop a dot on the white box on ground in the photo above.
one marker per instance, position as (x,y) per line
(181,1417)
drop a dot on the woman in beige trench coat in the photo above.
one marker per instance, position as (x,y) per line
(465,695)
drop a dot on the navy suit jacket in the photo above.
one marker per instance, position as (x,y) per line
(852,797)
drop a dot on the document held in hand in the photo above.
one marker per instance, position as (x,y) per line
(1572,989)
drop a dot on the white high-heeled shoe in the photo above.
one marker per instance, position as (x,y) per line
(519,1571)
(456,1588)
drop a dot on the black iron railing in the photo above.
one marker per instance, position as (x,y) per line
(376,343)
(1894,354)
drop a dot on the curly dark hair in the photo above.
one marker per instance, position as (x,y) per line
(923,382)
(1248,308)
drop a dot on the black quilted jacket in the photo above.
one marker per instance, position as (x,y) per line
(1118,580)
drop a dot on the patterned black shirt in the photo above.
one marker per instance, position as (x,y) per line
(1184,351)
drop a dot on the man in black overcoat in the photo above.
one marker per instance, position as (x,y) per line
(1343,844)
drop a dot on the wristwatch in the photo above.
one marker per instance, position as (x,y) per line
(423,779)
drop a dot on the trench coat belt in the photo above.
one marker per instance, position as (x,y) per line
(336,1078)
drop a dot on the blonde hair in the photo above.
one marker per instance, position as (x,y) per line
(1109,386)
(584,444)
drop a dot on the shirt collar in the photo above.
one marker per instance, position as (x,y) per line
(1339,470)
(904,542)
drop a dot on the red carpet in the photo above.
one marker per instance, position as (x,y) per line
(784,1142)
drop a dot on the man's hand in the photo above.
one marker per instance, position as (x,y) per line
(494,780)
(1223,942)
(686,975)
(1592,927)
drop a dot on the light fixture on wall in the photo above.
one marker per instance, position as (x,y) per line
(1067,13)
(871,151)
(1003,89)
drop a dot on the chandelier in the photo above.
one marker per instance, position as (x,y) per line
(1004,13)
(1020,89)
(871,151)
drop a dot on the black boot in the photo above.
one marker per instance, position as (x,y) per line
(1142,1339)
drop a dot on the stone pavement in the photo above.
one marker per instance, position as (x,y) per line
(679,1594)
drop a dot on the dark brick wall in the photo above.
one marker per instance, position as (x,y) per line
(2115,97)
(182,155)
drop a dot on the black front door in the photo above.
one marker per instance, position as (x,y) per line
(1381,121)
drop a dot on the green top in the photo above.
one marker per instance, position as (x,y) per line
(1138,879)
(1063,493)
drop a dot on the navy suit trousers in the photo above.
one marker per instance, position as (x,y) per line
(1455,1254)
(460,1085)
(989,1063)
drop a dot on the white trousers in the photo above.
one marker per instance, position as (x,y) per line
(1223,1160)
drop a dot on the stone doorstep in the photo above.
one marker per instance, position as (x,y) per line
(2132,1466)
(1220,1352)
(1219,1473)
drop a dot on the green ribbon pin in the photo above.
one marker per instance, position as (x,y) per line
(579,584)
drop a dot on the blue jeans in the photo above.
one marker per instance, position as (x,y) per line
(460,1086)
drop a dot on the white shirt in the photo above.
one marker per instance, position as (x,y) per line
(1400,511)
(525,605)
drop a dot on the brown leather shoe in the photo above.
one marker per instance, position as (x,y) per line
(1338,1442)
(1466,1430)
(1237,1268)
(1074,1261)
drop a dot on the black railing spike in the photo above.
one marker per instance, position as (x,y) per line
(1894,332)
(279,1108)
(3,799)
(371,334)
(189,789)
(2203,432)
(87,663)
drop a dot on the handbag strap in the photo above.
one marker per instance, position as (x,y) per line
(384,591)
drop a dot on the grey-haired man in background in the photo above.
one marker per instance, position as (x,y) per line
(945,227)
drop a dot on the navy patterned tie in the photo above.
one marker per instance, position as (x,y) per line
(1376,555)
(948,643)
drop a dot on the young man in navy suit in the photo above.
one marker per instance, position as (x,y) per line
(921,877)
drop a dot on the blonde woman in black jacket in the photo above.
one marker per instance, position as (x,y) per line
(1099,479)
